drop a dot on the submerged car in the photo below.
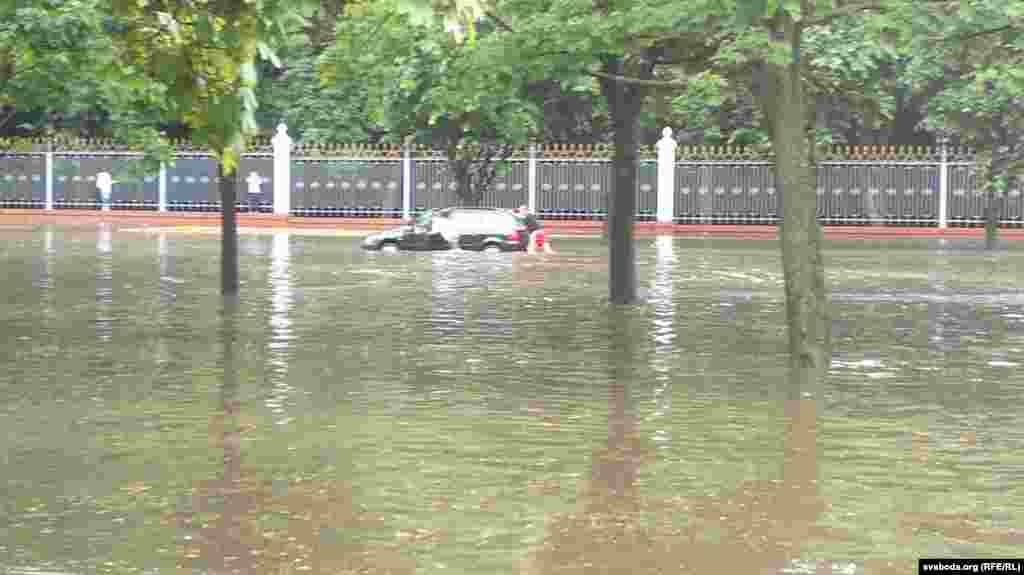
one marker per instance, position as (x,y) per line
(478,229)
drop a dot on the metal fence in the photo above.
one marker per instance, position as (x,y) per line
(854,192)
(847,193)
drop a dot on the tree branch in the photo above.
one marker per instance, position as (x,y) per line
(497,20)
(637,81)
(972,35)
(847,10)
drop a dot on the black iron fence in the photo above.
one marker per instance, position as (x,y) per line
(566,186)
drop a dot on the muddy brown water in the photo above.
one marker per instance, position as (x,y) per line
(467,413)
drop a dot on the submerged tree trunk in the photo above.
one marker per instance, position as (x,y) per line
(624,103)
(785,106)
(229,232)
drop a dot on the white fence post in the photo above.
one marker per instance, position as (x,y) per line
(49,179)
(282,171)
(531,181)
(666,177)
(944,185)
(161,197)
(406,180)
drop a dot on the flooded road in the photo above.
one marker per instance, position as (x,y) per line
(466,413)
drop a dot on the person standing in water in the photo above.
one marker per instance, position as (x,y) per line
(538,239)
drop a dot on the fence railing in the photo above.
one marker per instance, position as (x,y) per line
(856,186)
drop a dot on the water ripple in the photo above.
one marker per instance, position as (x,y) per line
(495,414)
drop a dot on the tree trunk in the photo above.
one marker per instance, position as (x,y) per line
(624,102)
(465,192)
(229,232)
(993,206)
(784,104)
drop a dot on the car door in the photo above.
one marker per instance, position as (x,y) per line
(469,225)
(442,230)
(413,238)
(498,226)
(417,236)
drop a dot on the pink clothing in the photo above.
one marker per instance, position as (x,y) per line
(537,238)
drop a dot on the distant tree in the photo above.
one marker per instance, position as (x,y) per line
(422,84)
(57,72)
(978,55)
(316,111)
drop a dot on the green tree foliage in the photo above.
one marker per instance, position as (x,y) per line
(315,111)
(423,84)
(57,72)
(852,79)
(204,52)
(205,55)
(976,52)
(294,94)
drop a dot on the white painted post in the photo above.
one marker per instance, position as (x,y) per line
(104,182)
(161,198)
(666,177)
(531,181)
(49,180)
(944,185)
(282,171)
(406,181)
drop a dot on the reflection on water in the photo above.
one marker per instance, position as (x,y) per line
(104,283)
(278,349)
(252,245)
(617,528)
(167,295)
(661,296)
(492,414)
(940,309)
(447,295)
(44,279)
(44,268)
(663,330)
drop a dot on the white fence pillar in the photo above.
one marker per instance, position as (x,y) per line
(49,180)
(406,181)
(161,197)
(944,186)
(282,171)
(531,180)
(666,177)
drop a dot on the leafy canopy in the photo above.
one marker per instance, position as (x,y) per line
(204,52)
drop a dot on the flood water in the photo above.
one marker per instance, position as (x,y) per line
(468,413)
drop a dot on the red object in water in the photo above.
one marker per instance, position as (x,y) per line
(538,237)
